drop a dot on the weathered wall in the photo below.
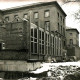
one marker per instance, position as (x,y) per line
(1,15)
(15,40)
(17,35)
(74,36)
(77,52)
(24,66)
(71,51)
(53,18)
(14,55)
(2,33)
(74,51)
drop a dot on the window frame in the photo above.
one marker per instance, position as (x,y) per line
(46,12)
(71,41)
(15,16)
(52,44)
(24,15)
(63,21)
(36,15)
(7,17)
(34,40)
(61,18)
(47,27)
(58,15)
(41,41)
(58,28)
(47,42)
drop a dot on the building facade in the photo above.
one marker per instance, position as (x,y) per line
(30,33)
(72,37)
(73,49)
(44,31)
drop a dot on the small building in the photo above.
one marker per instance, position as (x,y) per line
(73,49)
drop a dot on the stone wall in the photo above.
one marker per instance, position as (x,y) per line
(24,66)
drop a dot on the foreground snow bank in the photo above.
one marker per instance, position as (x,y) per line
(53,66)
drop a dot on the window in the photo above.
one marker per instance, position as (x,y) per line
(41,41)
(64,43)
(61,30)
(47,13)
(36,15)
(52,44)
(3,45)
(71,41)
(15,16)
(61,18)
(63,21)
(34,41)
(58,28)
(64,31)
(58,15)
(55,46)
(59,47)
(25,16)
(47,25)
(7,18)
(47,43)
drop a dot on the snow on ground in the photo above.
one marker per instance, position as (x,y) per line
(48,66)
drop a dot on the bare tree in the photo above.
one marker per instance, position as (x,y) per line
(76,14)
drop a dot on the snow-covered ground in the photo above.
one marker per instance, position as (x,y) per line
(53,66)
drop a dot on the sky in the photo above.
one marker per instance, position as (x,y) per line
(70,8)
(12,3)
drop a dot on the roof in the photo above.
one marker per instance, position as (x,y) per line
(33,6)
(72,29)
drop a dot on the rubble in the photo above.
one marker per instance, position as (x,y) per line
(55,71)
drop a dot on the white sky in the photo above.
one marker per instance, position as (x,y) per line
(4,5)
(69,8)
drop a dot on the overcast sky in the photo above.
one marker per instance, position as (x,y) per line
(69,8)
(12,3)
